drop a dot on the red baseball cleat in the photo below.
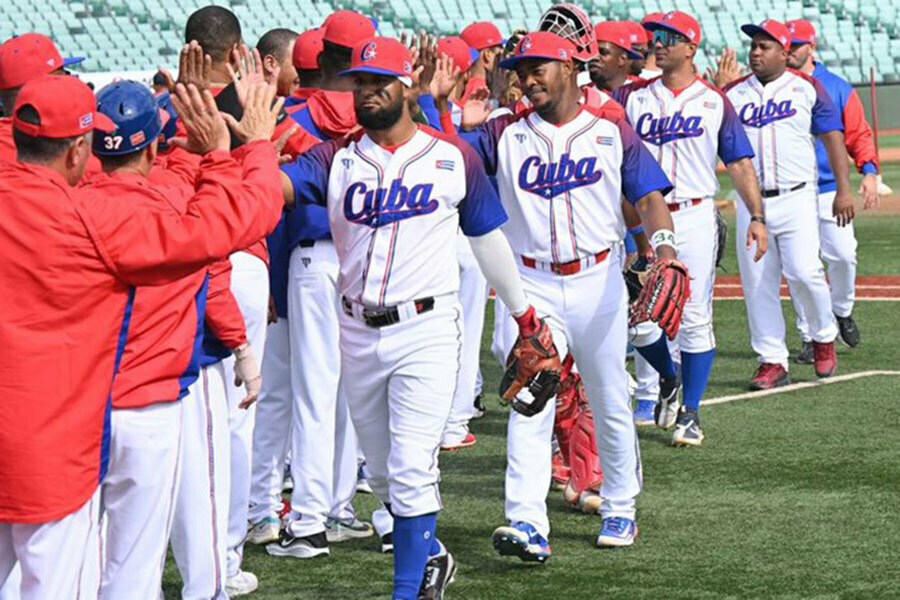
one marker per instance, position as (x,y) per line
(825,359)
(467,442)
(768,376)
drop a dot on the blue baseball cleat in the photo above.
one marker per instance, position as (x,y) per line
(643,412)
(521,539)
(617,532)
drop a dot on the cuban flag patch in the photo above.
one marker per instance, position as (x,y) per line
(605,140)
(86,121)
(446,165)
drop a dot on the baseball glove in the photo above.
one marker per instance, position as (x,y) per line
(721,237)
(667,289)
(635,275)
(532,372)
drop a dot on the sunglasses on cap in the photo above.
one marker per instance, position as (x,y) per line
(668,38)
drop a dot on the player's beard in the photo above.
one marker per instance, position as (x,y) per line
(383,118)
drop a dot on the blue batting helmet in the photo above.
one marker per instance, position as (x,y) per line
(164,101)
(134,110)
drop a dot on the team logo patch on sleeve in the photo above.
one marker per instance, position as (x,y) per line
(447,165)
(605,140)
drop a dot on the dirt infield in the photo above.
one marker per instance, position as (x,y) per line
(870,287)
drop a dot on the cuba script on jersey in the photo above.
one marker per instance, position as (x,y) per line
(664,129)
(549,180)
(382,206)
(759,116)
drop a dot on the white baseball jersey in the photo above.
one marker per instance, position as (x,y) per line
(780,119)
(394,213)
(686,131)
(562,185)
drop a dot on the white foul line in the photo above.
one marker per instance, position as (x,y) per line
(795,386)
(858,299)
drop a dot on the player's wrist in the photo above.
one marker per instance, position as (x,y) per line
(661,240)
(528,322)
(758,219)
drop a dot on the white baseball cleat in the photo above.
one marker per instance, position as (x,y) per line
(341,530)
(264,532)
(241,584)
(666,410)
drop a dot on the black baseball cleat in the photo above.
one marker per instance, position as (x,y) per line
(480,408)
(440,570)
(387,543)
(849,332)
(806,354)
(308,546)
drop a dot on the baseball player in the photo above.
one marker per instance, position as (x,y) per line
(323,441)
(650,69)
(307,49)
(276,49)
(688,125)
(562,168)
(162,353)
(782,110)
(838,244)
(395,195)
(610,68)
(23,58)
(81,289)
(487,42)
(640,43)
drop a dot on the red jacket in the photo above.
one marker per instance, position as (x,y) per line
(70,260)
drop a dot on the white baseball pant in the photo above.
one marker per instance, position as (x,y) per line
(200,524)
(647,379)
(838,250)
(9,590)
(588,315)
(400,381)
(271,436)
(793,251)
(323,441)
(473,290)
(250,287)
(49,557)
(137,502)
(695,231)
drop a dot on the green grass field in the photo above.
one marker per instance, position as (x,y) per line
(795,495)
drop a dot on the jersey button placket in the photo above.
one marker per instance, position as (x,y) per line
(383,236)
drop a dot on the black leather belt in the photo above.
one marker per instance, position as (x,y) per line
(773,193)
(307,243)
(381,317)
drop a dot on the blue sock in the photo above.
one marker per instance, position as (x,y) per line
(695,368)
(657,354)
(413,541)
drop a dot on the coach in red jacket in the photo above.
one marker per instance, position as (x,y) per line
(71,261)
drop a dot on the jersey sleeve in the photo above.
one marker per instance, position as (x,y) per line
(641,173)
(223,315)
(428,108)
(480,210)
(825,115)
(234,205)
(858,135)
(733,142)
(309,173)
(484,140)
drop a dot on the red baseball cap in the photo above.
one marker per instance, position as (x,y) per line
(615,33)
(382,56)
(66,107)
(482,35)
(540,44)
(307,48)
(27,56)
(654,16)
(679,22)
(802,31)
(463,55)
(776,30)
(636,32)
(346,28)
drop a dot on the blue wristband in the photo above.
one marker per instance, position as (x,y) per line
(869,168)
(636,230)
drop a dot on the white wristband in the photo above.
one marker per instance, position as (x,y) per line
(662,237)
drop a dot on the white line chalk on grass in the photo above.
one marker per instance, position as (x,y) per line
(858,299)
(796,386)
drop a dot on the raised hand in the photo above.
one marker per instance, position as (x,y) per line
(260,113)
(246,70)
(728,69)
(198,113)
(444,79)
(476,109)
(427,60)
(194,67)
